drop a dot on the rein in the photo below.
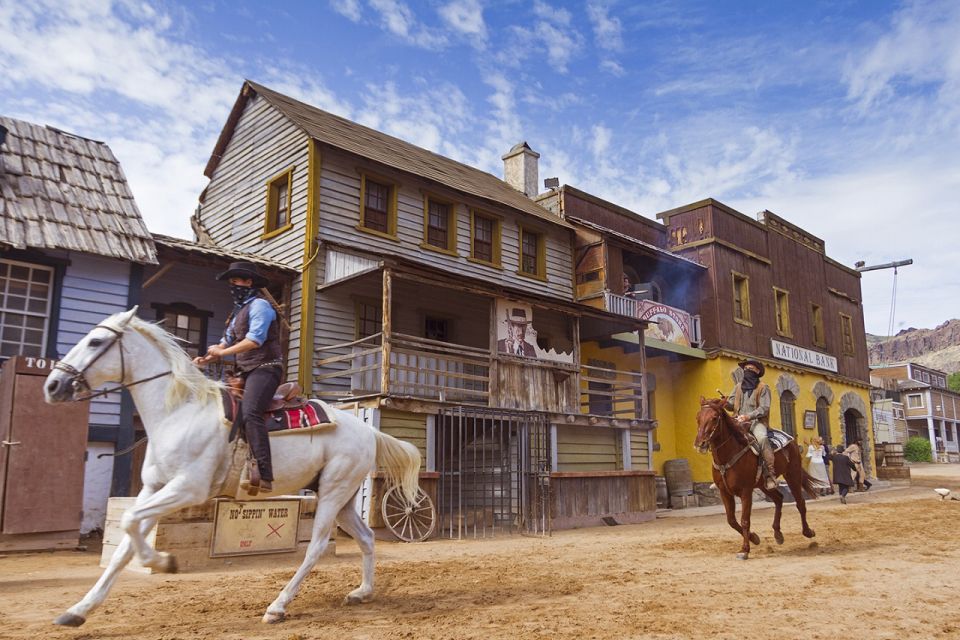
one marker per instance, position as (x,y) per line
(79,382)
(726,466)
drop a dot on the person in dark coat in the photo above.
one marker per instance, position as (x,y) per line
(843,470)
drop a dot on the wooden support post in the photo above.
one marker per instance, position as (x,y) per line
(387,333)
(159,274)
(493,394)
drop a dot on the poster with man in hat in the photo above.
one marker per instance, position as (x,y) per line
(512,332)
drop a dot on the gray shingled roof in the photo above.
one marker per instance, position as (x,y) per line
(213,251)
(61,191)
(385,149)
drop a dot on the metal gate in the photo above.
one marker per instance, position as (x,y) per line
(494,473)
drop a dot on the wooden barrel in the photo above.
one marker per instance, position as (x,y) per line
(678,477)
(661,485)
(893,454)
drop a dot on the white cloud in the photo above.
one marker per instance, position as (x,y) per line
(399,19)
(612,67)
(607,30)
(347,8)
(466,17)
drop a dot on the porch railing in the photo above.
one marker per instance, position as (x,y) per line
(612,393)
(633,308)
(419,368)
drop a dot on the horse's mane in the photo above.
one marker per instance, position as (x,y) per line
(720,405)
(188,380)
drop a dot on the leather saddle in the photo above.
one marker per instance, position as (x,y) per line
(287,410)
(287,396)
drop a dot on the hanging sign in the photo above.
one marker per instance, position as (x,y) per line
(808,357)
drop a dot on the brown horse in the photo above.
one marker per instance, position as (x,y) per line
(735,472)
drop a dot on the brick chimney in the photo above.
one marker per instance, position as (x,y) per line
(520,169)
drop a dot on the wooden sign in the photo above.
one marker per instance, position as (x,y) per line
(254,527)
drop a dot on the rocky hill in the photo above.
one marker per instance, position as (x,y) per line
(938,348)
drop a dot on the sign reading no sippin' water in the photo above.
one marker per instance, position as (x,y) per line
(254,527)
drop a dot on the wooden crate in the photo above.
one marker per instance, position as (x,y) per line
(187,534)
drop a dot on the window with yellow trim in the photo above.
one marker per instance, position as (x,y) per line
(439,225)
(278,202)
(378,205)
(846,331)
(816,317)
(485,238)
(782,309)
(532,254)
(741,298)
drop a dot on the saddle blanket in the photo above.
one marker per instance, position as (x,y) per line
(311,414)
(778,440)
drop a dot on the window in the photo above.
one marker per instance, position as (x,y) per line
(187,323)
(436,329)
(925,376)
(25,295)
(846,331)
(823,421)
(788,405)
(782,307)
(485,239)
(741,298)
(369,320)
(532,254)
(378,206)
(439,225)
(915,401)
(816,316)
(278,203)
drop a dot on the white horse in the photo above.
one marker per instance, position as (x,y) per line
(188,454)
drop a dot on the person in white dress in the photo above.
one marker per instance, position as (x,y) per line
(817,468)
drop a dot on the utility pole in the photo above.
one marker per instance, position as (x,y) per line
(861,267)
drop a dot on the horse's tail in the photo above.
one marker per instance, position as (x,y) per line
(401,462)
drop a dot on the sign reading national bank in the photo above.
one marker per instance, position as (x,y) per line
(800,355)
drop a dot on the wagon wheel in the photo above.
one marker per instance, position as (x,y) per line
(409,521)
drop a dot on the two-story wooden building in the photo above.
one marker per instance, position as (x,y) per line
(772,293)
(931,409)
(439,301)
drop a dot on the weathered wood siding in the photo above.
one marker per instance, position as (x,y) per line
(535,388)
(581,501)
(264,144)
(93,288)
(411,427)
(588,448)
(640,450)
(340,215)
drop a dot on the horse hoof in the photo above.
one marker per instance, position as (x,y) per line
(70,620)
(354,598)
(778,537)
(167,564)
(742,556)
(809,533)
(754,538)
(273,618)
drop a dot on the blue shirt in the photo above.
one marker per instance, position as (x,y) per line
(262,314)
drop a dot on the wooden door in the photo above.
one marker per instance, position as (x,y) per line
(42,456)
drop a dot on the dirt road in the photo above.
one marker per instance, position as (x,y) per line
(884,566)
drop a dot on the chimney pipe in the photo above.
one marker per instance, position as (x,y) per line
(520,169)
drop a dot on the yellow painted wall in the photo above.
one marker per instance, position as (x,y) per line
(680,385)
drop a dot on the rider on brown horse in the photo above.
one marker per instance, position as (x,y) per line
(750,402)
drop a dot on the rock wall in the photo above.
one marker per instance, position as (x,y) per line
(938,348)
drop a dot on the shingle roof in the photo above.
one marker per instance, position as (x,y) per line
(385,149)
(61,191)
(213,251)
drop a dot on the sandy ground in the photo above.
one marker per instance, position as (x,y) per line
(884,566)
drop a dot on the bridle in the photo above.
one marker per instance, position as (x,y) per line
(79,383)
(726,466)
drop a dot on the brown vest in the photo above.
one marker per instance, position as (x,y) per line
(269,351)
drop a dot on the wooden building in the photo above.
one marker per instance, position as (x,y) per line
(931,409)
(74,251)
(438,301)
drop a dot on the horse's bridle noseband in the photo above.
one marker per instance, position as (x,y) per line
(78,380)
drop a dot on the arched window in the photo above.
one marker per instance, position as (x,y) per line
(823,420)
(788,405)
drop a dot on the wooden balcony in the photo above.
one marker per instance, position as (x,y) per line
(669,324)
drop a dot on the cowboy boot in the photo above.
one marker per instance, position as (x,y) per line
(769,463)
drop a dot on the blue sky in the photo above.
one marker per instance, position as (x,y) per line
(843,117)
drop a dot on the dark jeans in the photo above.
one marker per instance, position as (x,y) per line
(844,490)
(261,384)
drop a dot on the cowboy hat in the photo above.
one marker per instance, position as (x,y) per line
(756,363)
(245,270)
(518,315)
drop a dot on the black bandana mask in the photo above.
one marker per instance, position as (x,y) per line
(241,294)
(750,380)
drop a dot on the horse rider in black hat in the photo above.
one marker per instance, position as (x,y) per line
(253,336)
(750,402)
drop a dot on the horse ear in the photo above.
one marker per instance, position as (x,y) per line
(127,316)
(703,401)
